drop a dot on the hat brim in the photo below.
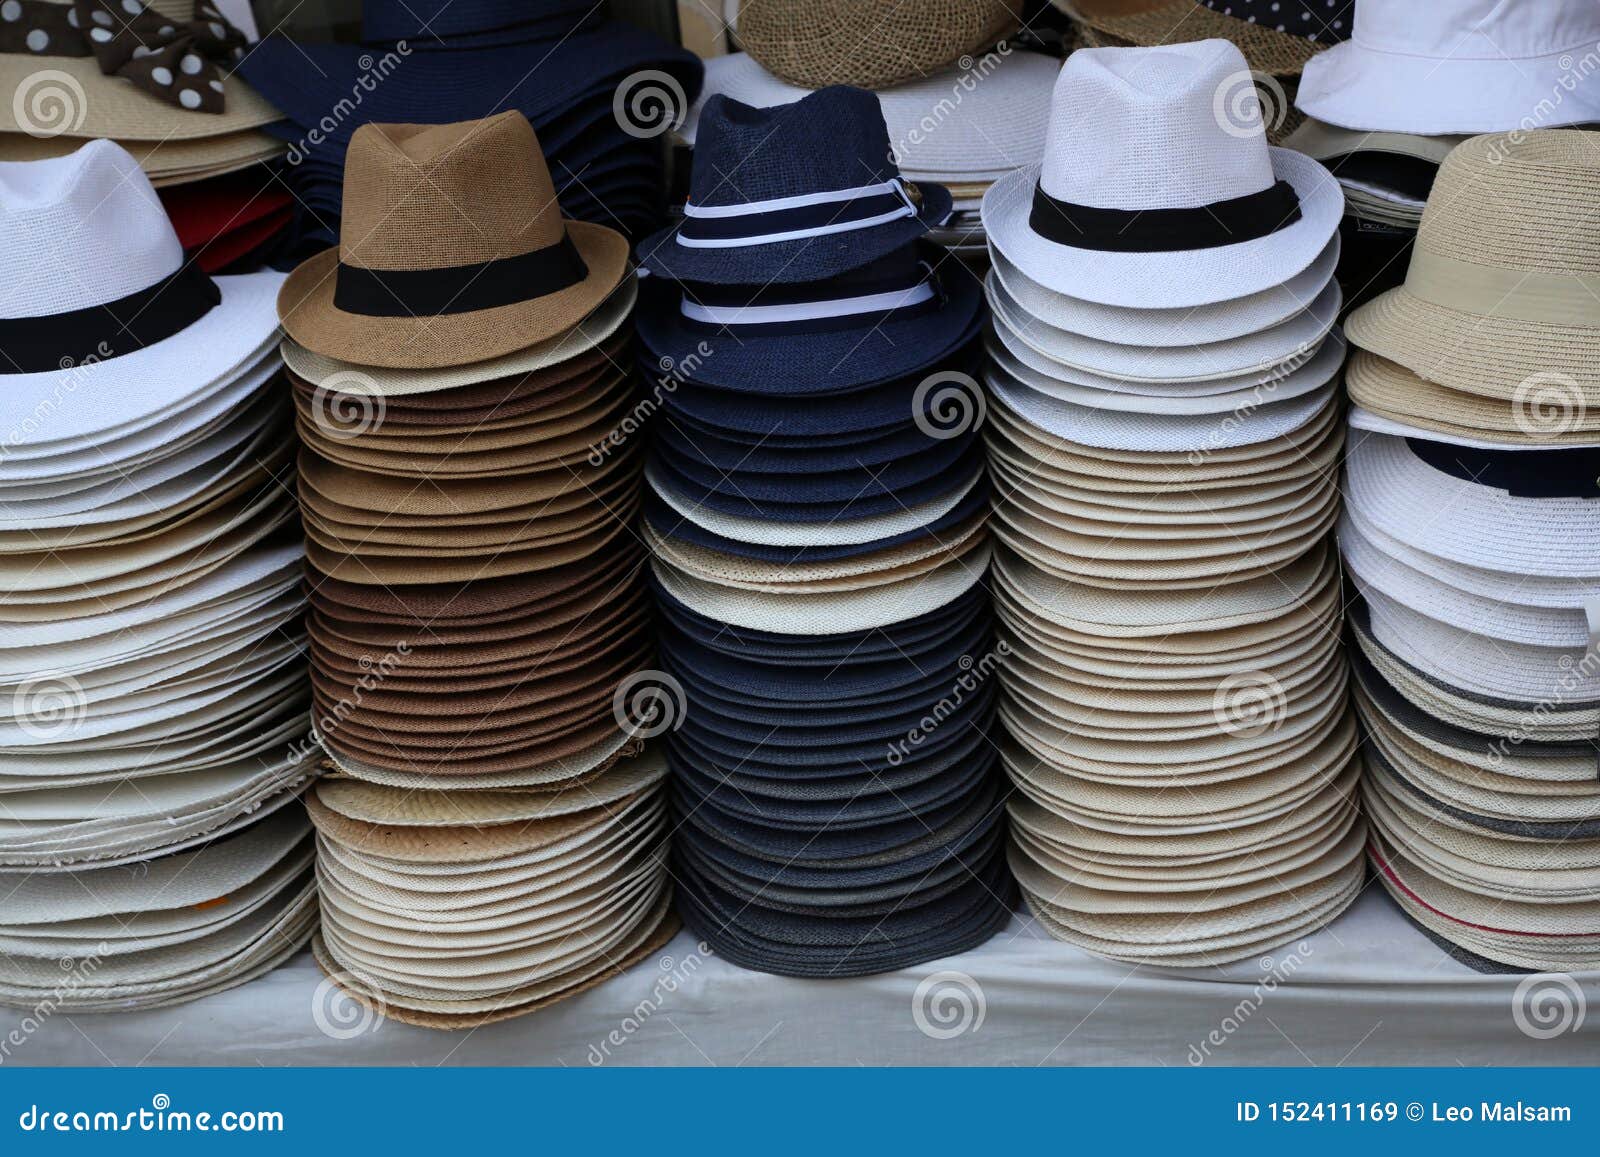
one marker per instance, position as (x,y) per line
(1325,142)
(787,262)
(108,106)
(1485,355)
(1357,86)
(1172,280)
(828,362)
(310,316)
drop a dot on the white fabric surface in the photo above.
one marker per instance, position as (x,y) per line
(1371,990)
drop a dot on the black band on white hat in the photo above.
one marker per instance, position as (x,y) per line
(1220,223)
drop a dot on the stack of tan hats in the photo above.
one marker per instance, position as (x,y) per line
(1164,441)
(460,370)
(1472,533)
(184,119)
(151,635)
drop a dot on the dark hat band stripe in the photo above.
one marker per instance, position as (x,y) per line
(60,341)
(1228,222)
(1570,472)
(459,288)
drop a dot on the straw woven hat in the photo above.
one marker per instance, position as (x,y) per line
(453,250)
(868,43)
(1148,23)
(1499,297)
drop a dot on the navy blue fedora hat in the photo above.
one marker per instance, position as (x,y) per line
(795,192)
(913,308)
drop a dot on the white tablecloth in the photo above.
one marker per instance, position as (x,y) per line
(1368,990)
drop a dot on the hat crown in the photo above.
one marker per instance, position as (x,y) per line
(1483,29)
(1523,201)
(1174,127)
(80,230)
(439,196)
(833,139)
(427,20)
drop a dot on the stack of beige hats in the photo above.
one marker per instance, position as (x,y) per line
(1164,441)
(461,374)
(451,909)
(1472,532)
(183,119)
(151,634)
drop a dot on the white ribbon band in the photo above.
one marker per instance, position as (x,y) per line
(808,310)
(895,186)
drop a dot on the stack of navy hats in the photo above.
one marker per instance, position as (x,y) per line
(816,509)
(599,94)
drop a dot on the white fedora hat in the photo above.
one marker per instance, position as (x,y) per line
(1160,328)
(1156,192)
(1456,66)
(102,322)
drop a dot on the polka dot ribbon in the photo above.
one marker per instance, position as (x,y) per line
(173,60)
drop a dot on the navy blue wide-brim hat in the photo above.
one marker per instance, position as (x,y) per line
(475,23)
(441,85)
(792,193)
(792,359)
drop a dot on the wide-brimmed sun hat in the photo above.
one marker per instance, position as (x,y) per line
(453,250)
(1188,206)
(1455,66)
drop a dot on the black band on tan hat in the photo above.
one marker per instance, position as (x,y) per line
(59,341)
(1228,222)
(459,288)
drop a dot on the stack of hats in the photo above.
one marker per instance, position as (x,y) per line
(1417,79)
(158,79)
(1277,45)
(151,633)
(1472,533)
(1164,444)
(962,109)
(599,93)
(476,596)
(449,910)
(233,222)
(816,509)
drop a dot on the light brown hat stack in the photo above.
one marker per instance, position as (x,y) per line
(461,376)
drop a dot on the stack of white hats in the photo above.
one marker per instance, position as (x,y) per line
(150,636)
(1164,442)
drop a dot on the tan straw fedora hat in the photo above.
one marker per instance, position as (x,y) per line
(1500,297)
(868,43)
(453,250)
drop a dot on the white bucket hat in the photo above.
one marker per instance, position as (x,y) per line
(1456,66)
(1156,192)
